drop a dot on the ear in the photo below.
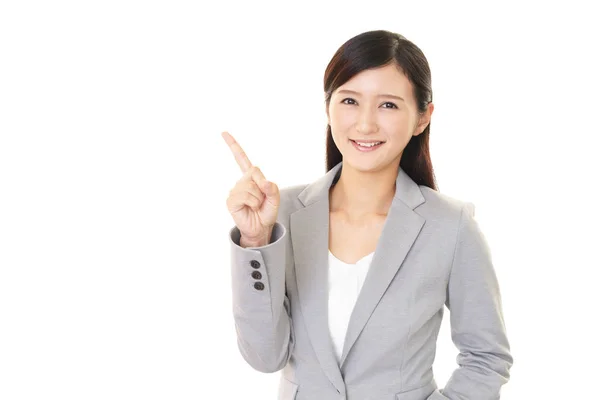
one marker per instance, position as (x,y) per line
(424,120)
(327,114)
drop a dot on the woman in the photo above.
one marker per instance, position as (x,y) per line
(342,283)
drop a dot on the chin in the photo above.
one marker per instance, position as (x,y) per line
(364,165)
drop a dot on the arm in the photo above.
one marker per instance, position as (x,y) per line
(477,322)
(261,314)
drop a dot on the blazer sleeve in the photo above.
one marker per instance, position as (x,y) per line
(261,308)
(476,319)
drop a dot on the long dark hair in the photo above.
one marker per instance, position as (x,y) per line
(376,49)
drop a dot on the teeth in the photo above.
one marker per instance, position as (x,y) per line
(367,144)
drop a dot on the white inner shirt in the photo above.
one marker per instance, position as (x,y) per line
(345,282)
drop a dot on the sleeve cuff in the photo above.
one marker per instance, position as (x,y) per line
(276,235)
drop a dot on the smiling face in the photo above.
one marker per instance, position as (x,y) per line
(373,116)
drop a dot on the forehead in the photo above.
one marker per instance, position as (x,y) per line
(386,79)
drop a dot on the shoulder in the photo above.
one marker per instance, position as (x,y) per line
(443,207)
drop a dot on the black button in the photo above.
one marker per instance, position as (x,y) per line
(255,264)
(259,286)
(256,275)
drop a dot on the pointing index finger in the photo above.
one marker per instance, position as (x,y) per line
(240,156)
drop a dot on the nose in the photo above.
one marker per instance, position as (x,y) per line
(367,122)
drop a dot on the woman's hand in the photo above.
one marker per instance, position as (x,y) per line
(253,202)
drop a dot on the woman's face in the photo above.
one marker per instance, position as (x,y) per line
(376,105)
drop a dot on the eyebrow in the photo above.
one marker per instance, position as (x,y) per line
(381,95)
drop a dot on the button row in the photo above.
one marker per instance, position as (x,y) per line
(257,275)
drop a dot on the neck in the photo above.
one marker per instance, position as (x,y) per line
(362,194)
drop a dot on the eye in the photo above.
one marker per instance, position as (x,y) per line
(391,104)
(348,98)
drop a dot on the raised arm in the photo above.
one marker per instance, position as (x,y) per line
(261,309)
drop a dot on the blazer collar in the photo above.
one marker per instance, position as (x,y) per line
(406,189)
(310,242)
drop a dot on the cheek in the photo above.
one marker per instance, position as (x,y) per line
(343,126)
(397,124)
(339,117)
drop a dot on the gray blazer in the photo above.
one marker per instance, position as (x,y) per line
(431,253)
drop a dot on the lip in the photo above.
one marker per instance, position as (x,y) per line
(366,149)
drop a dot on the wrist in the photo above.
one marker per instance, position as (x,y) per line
(259,241)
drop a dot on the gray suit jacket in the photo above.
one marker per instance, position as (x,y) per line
(431,253)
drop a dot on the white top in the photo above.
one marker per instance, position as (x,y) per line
(345,282)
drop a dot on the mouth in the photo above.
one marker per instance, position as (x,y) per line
(366,146)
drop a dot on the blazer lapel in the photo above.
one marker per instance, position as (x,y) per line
(310,241)
(400,230)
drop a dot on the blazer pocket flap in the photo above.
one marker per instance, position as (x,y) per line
(420,393)
(287,389)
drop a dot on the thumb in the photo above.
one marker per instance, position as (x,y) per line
(269,189)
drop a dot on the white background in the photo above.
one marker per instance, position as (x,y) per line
(114,257)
